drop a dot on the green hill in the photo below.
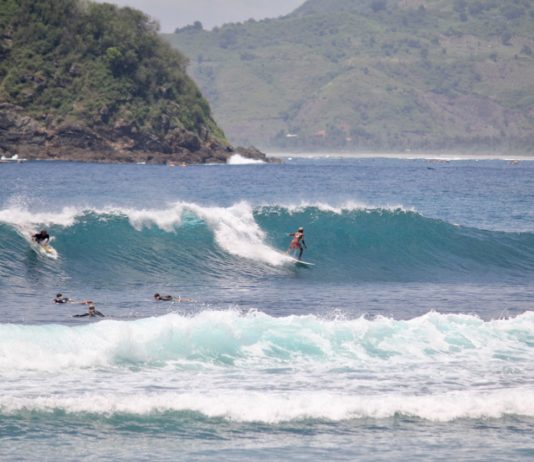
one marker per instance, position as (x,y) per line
(88,81)
(373,74)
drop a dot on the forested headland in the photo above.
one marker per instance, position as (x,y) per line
(87,81)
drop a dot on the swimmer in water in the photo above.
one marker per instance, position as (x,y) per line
(60,299)
(92,312)
(170,298)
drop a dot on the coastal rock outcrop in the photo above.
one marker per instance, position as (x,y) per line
(87,81)
(30,139)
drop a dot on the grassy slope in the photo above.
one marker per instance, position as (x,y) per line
(414,74)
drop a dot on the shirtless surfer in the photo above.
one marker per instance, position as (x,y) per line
(298,243)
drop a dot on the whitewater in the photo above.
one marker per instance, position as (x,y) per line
(412,337)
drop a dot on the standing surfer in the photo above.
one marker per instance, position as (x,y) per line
(297,243)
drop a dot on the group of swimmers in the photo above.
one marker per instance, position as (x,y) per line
(91,308)
(93,312)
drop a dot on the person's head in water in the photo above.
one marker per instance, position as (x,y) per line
(59,295)
(301,230)
(92,310)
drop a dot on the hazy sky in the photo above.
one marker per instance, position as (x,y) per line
(177,13)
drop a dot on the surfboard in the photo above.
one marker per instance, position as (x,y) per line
(46,250)
(301,262)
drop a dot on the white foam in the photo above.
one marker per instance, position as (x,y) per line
(256,338)
(254,367)
(234,228)
(23,217)
(166,219)
(405,155)
(238,159)
(273,408)
(237,232)
(343,207)
(170,217)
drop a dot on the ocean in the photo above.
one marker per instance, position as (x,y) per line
(411,337)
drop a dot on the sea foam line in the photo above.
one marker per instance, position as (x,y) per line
(273,408)
(255,339)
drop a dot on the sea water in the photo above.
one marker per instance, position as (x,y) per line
(412,337)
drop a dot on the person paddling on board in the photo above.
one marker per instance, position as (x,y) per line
(92,312)
(42,237)
(170,298)
(61,299)
(297,243)
(163,298)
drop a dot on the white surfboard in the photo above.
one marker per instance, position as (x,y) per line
(46,250)
(301,262)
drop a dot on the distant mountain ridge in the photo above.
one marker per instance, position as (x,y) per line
(373,75)
(87,81)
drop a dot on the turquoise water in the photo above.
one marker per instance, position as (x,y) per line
(411,338)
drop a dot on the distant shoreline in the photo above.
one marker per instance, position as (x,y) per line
(403,155)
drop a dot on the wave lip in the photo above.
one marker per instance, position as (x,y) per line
(23,217)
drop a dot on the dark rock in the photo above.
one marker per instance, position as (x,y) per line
(80,137)
(253,153)
(123,142)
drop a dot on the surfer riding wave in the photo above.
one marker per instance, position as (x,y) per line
(297,244)
(42,237)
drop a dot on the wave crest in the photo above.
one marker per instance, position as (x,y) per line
(348,242)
